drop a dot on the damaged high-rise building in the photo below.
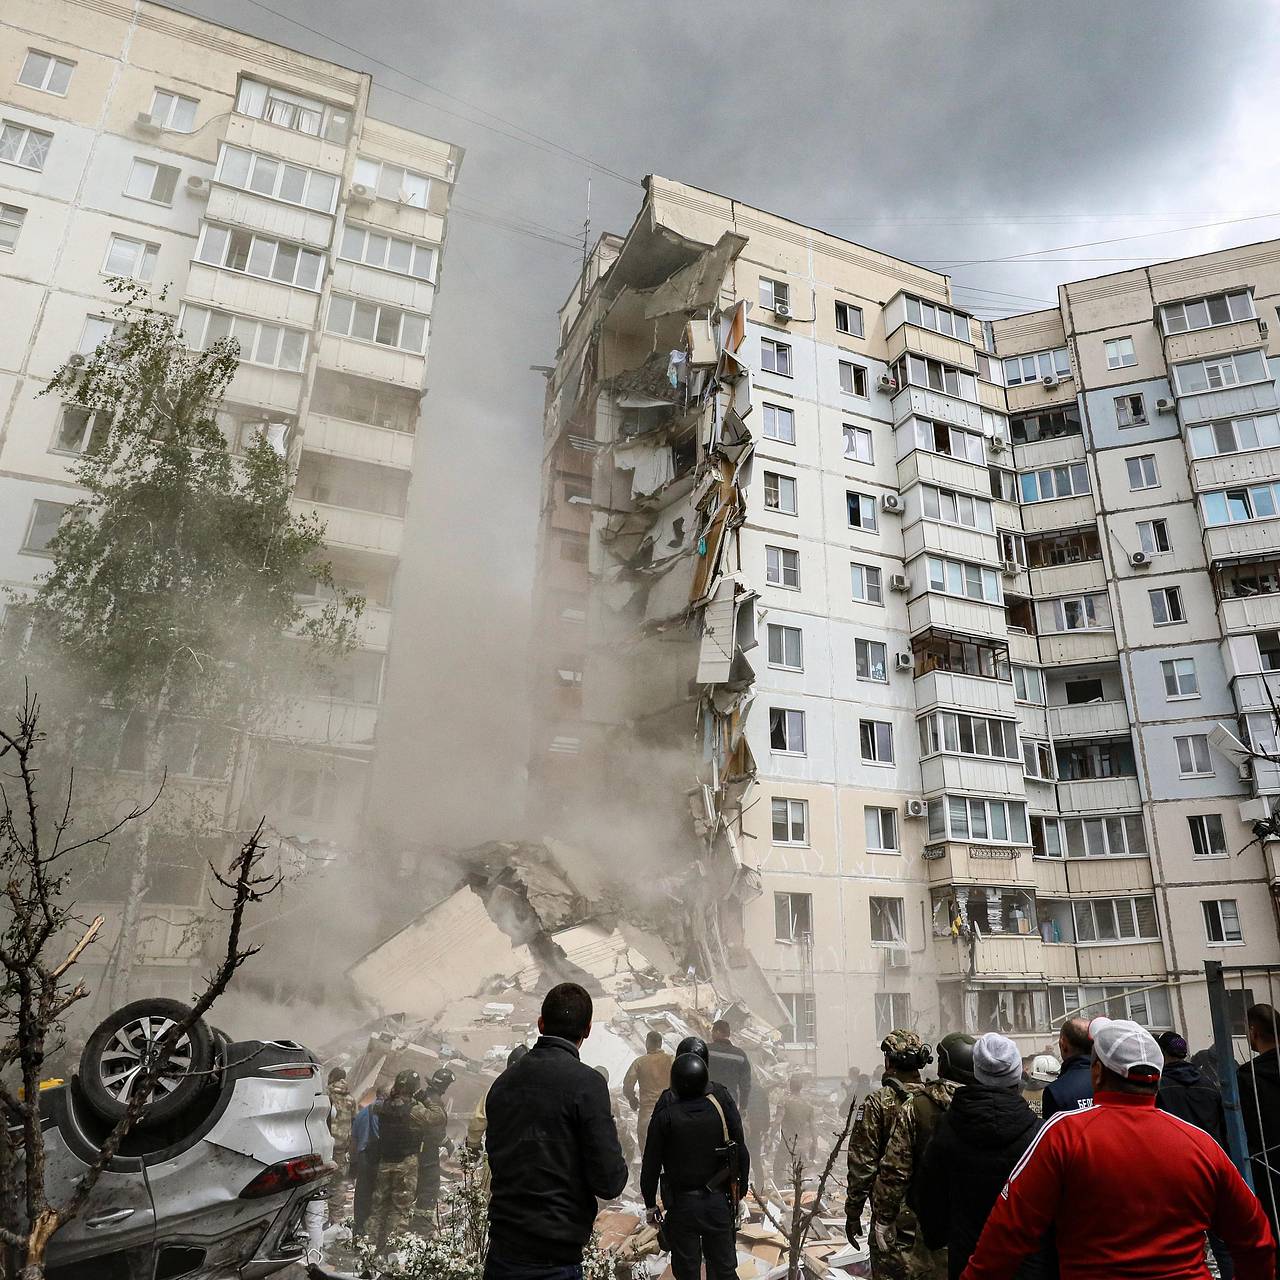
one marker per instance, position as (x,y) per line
(895,645)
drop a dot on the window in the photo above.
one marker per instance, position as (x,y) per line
(786,730)
(774,294)
(881,828)
(376,249)
(46,519)
(779,493)
(290,110)
(1222,921)
(1235,506)
(786,647)
(782,567)
(849,319)
(790,821)
(173,111)
(260,343)
(374,322)
(888,922)
(1089,761)
(775,357)
(1180,678)
(1142,472)
(261,256)
(1042,364)
(853,379)
(45,72)
(1120,353)
(951,442)
(277,180)
(80,431)
(1048,424)
(573,549)
(793,916)
(867,583)
(1268,650)
(1075,613)
(1150,1007)
(27,148)
(779,424)
(857,444)
(871,660)
(392,182)
(97,330)
(1131,411)
(956,508)
(1193,756)
(1104,920)
(1204,313)
(1221,371)
(11,219)
(928,315)
(862,511)
(938,653)
(1166,606)
(1154,536)
(801,1026)
(935,376)
(1004,484)
(1028,685)
(968,818)
(133,258)
(893,1009)
(152,182)
(1236,435)
(1115,836)
(1065,481)
(1208,839)
(959,578)
(959,734)
(875,741)
(377,404)
(1037,761)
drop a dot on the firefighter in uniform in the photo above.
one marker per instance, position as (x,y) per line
(432,1098)
(905,1054)
(342,1110)
(403,1123)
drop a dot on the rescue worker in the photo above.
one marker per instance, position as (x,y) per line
(697,1045)
(796,1133)
(364,1159)
(893,1219)
(698,1170)
(905,1054)
(432,1099)
(650,1074)
(342,1111)
(479,1122)
(403,1123)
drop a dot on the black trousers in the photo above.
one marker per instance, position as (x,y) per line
(698,1225)
(366,1167)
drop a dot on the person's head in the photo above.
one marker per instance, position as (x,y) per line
(689,1076)
(604,1073)
(516,1054)
(653,1041)
(864,1080)
(796,1083)
(440,1081)
(336,1075)
(1173,1046)
(904,1053)
(721,1030)
(566,1012)
(694,1044)
(380,1093)
(997,1062)
(955,1057)
(1043,1070)
(406,1084)
(1262,1022)
(1125,1059)
(1073,1038)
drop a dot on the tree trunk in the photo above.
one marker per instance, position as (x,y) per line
(37,1242)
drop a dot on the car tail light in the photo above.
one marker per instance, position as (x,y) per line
(286,1175)
(290,1070)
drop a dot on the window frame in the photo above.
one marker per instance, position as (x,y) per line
(859,377)
(858,663)
(868,518)
(773,414)
(1167,595)
(54,62)
(780,354)
(1169,670)
(141,162)
(787,722)
(209,231)
(802,1013)
(339,300)
(774,480)
(142,247)
(1219,363)
(95,421)
(259,325)
(26,549)
(175,99)
(310,177)
(26,134)
(1194,758)
(785,631)
(1212,908)
(780,581)
(1093,907)
(852,432)
(415,247)
(887,911)
(867,570)
(15,216)
(361,175)
(1122,359)
(1202,837)
(1148,474)
(777,291)
(850,309)
(1168,309)
(1128,419)
(882,814)
(789,899)
(801,810)
(1052,362)
(1159,527)
(877,735)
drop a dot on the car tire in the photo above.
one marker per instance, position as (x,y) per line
(117,1051)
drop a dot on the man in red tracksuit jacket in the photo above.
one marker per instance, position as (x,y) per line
(1130,1190)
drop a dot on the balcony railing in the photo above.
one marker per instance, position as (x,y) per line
(272,217)
(950,613)
(1063,648)
(1064,579)
(1007,955)
(1099,795)
(965,693)
(346,439)
(1242,541)
(1059,513)
(962,862)
(363,530)
(1084,720)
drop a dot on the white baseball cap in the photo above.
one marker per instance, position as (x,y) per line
(1128,1050)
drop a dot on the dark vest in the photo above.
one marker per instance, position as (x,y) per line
(397,1138)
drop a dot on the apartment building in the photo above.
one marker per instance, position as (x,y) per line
(252,182)
(908,637)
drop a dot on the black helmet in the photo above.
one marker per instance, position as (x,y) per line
(689,1076)
(955,1058)
(694,1044)
(516,1054)
(407,1083)
(440,1080)
(905,1050)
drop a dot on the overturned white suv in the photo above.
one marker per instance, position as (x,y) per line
(214,1181)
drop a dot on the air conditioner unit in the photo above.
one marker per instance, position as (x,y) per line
(897,957)
(781,311)
(1262,328)
(1139,559)
(916,809)
(997,444)
(144,123)
(890,502)
(904,662)
(360,194)
(887,382)
(196,185)
(1049,381)
(1164,405)
(1010,568)
(899,582)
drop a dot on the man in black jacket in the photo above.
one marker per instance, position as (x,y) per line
(729,1065)
(1259,1084)
(553,1149)
(1074,1086)
(975,1146)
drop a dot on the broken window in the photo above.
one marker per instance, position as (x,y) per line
(939,653)
(1236,435)
(1088,761)
(46,519)
(875,741)
(857,444)
(893,1010)
(377,404)
(782,567)
(849,319)
(801,1026)
(790,821)
(1222,921)
(780,493)
(392,182)
(786,730)
(1037,760)
(1131,410)
(786,647)
(862,511)
(1166,606)
(888,922)
(80,431)
(793,917)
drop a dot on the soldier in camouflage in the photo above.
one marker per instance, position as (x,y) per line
(428,1193)
(904,1056)
(893,1222)
(403,1124)
(342,1110)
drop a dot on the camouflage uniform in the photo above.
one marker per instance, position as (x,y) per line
(340,1117)
(913,1126)
(428,1188)
(396,1190)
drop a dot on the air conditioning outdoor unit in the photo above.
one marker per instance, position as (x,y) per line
(196,185)
(997,444)
(360,194)
(891,502)
(1139,559)
(903,662)
(1049,381)
(1263,328)
(899,582)
(144,123)
(1010,568)
(916,809)
(887,382)
(1164,405)
(898,957)
(781,311)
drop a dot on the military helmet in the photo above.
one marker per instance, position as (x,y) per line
(516,1054)
(689,1076)
(440,1080)
(955,1058)
(906,1050)
(406,1084)
(693,1044)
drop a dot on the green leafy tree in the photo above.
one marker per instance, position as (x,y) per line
(173,593)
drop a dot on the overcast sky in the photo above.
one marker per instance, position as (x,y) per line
(943,132)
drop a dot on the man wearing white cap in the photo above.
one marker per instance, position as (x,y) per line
(1131,1190)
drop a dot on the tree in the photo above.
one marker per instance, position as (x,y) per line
(172,599)
(42,941)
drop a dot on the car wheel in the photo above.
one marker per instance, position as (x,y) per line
(123,1045)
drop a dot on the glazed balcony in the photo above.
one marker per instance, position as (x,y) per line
(1018,956)
(964,693)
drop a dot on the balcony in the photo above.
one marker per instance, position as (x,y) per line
(962,862)
(1065,648)
(950,473)
(934,611)
(1085,719)
(992,397)
(360,530)
(235,291)
(1243,541)
(1059,961)
(271,217)
(964,693)
(948,540)
(1235,468)
(1108,877)
(329,722)
(368,360)
(1069,579)
(1244,335)
(1011,955)
(925,342)
(1257,690)
(1121,960)
(1050,453)
(1023,649)
(271,388)
(288,144)
(924,403)
(358,440)
(383,286)
(1032,722)
(1033,397)
(1059,513)
(967,773)
(1099,795)
(375,623)
(401,219)
(1250,613)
